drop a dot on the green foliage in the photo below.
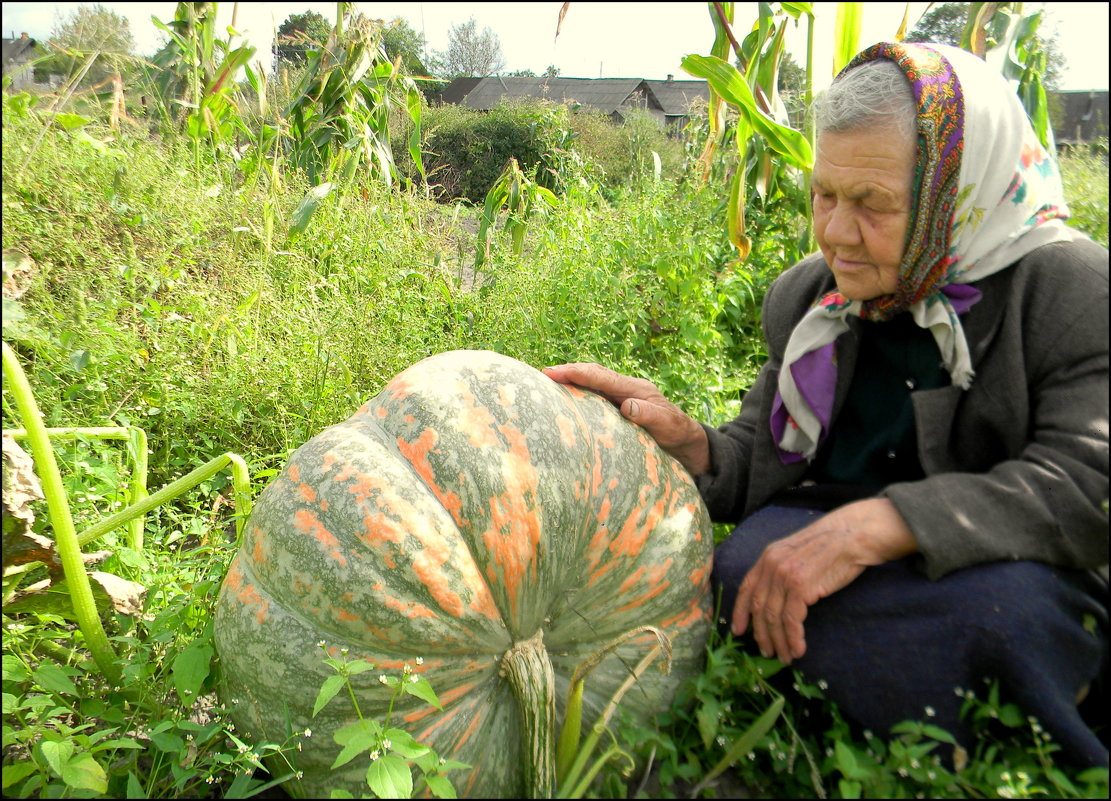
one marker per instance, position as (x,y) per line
(392,752)
(196,72)
(467,150)
(399,40)
(1084,174)
(522,198)
(945,23)
(163,290)
(339,114)
(813,752)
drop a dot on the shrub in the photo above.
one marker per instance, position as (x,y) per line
(467,149)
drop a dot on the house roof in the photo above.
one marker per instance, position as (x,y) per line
(16,50)
(677,96)
(602,94)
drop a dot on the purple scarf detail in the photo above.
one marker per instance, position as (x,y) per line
(815,375)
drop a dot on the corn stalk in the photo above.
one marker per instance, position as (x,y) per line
(522,198)
(196,71)
(339,114)
(769,150)
(1006,37)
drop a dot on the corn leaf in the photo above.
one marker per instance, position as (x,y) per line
(724,78)
(846,35)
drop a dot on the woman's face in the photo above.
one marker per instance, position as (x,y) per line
(860,190)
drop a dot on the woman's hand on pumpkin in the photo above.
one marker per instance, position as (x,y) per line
(795,572)
(638,400)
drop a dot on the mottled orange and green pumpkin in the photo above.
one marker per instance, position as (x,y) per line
(470,504)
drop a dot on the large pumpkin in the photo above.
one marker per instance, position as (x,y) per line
(470,506)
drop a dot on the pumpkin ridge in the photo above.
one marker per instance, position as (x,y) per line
(432,490)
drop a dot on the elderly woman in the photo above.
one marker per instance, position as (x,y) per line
(921,467)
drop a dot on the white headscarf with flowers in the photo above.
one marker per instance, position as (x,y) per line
(986,194)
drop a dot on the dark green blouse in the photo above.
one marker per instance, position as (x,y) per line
(873,442)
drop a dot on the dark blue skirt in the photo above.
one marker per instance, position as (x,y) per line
(894,645)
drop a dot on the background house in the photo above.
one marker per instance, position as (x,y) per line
(676,98)
(614,97)
(1078,116)
(17,53)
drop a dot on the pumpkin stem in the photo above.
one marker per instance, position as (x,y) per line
(529,672)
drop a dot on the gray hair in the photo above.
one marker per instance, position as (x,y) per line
(874,95)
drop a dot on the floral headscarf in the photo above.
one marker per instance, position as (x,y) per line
(985,194)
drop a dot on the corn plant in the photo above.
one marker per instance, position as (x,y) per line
(196,71)
(521,197)
(769,149)
(339,114)
(1003,35)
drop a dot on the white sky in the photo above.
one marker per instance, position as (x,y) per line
(613,40)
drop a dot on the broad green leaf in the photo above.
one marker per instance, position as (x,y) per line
(403,744)
(71,121)
(57,753)
(708,717)
(167,742)
(938,734)
(54,679)
(846,762)
(356,738)
(14,669)
(423,690)
(308,207)
(79,360)
(85,773)
(846,34)
(440,786)
(849,789)
(15,772)
(328,690)
(389,777)
(355,668)
(724,78)
(191,667)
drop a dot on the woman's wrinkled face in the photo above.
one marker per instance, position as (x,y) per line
(861,194)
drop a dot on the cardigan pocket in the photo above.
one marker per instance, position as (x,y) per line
(934,413)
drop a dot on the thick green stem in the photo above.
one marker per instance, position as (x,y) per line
(65,536)
(137,443)
(529,672)
(240,483)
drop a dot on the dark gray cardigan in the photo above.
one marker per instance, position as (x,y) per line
(1016,466)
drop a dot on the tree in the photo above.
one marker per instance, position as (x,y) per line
(91,28)
(552,71)
(399,39)
(945,24)
(470,53)
(299,32)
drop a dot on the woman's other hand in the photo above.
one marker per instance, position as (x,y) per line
(795,572)
(639,401)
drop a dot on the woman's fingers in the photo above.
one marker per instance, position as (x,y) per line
(613,385)
(640,401)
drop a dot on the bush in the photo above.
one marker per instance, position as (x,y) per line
(1084,172)
(466,150)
